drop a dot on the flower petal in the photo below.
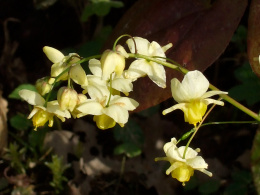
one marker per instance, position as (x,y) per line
(190,153)
(156,50)
(157,74)
(179,93)
(170,144)
(90,107)
(78,75)
(137,69)
(32,97)
(124,102)
(118,113)
(197,163)
(175,107)
(141,44)
(95,67)
(211,93)
(54,107)
(212,101)
(122,85)
(53,54)
(195,84)
(97,91)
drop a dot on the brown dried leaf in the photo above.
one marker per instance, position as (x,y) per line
(253,37)
(3,123)
(199,33)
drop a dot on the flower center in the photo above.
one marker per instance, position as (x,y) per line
(183,172)
(194,111)
(104,122)
(40,118)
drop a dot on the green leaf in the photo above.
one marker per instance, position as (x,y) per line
(242,176)
(94,46)
(209,187)
(99,8)
(255,160)
(191,184)
(236,188)
(131,150)
(130,133)
(3,183)
(36,138)
(15,93)
(132,138)
(149,111)
(87,12)
(249,90)
(20,122)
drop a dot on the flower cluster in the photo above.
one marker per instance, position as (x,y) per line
(104,95)
(101,90)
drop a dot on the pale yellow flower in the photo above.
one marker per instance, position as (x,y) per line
(61,63)
(107,115)
(192,96)
(41,113)
(142,67)
(43,85)
(67,98)
(183,168)
(119,83)
(113,61)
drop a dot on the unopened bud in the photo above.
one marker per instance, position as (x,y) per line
(43,86)
(67,98)
(112,61)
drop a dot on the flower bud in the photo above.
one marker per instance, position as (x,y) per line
(67,98)
(112,61)
(43,86)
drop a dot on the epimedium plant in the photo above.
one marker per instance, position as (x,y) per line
(103,94)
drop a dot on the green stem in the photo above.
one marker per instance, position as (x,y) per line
(115,43)
(66,70)
(110,91)
(154,59)
(178,67)
(230,122)
(196,130)
(237,104)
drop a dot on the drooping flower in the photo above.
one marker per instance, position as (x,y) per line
(183,168)
(41,113)
(142,67)
(113,61)
(106,115)
(44,85)
(61,63)
(67,98)
(192,96)
(119,83)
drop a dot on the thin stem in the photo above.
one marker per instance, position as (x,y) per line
(237,104)
(110,91)
(164,63)
(230,122)
(66,70)
(115,43)
(122,170)
(196,130)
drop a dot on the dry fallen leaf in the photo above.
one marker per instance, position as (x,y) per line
(3,123)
